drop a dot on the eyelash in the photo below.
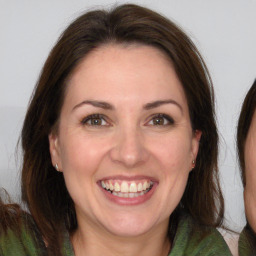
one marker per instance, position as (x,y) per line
(85,121)
(167,118)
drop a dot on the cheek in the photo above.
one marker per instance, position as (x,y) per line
(79,150)
(251,182)
(174,152)
(250,188)
(175,163)
(250,169)
(174,156)
(80,158)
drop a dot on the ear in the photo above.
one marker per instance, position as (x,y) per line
(195,143)
(55,150)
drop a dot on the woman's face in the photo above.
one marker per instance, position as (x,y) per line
(250,174)
(125,142)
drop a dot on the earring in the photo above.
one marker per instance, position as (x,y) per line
(57,167)
(193,164)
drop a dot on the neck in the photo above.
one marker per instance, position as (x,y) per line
(87,241)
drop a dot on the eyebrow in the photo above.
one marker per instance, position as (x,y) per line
(107,106)
(159,103)
(97,104)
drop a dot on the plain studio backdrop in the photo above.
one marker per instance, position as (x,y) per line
(223,30)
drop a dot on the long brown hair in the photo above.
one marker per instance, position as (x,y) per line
(43,189)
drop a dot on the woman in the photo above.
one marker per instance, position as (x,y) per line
(246,136)
(120,144)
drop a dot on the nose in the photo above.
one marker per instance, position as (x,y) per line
(129,149)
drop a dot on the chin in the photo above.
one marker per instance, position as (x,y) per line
(129,226)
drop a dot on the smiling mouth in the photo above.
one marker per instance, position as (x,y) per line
(127,189)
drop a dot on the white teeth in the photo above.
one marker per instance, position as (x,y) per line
(124,187)
(117,187)
(133,187)
(128,195)
(103,184)
(131,195)
(140,188)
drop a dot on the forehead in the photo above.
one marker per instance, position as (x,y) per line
(140,71)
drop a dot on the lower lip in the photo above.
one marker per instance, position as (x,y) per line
(130,201)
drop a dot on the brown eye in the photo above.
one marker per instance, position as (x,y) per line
(94,120)
(161,120)
(158,121)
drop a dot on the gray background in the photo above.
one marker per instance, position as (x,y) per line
(223,30)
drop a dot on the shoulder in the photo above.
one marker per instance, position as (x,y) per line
(21,237)
(192,239)
(247,242)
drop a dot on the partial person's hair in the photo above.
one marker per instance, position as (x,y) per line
(43,188)
(244,123)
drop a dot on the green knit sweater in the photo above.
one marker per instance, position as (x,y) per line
(247,242)
(188,241)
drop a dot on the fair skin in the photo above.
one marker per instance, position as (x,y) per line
(124,127)
(250,174)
